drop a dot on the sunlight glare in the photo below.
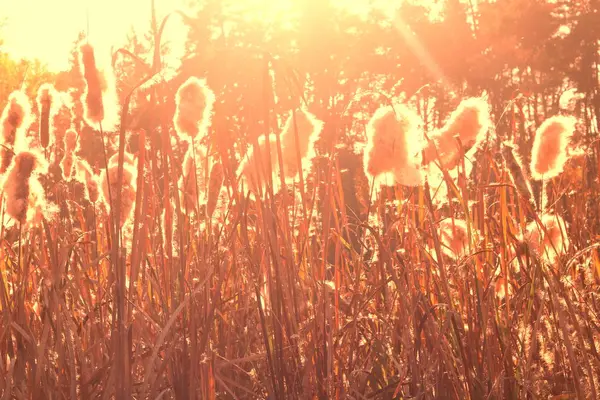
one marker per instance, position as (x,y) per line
(47,30)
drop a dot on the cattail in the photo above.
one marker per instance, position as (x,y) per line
(550,147)
(469,122)
(518,174)
(454,237)
(94,107)
(192,184)
(61,122)
(16,186)
(394,146)
(71,144)
(127,187)
(71,141)
(251,172)
(214,188)
(100,98)
(128,159)
(14,122)
(194,103)
(569,98)
(39,207)
(308,128)
(86,176)
(552,242)
(48,108)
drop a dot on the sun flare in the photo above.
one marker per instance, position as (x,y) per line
(290,199)
(107,24)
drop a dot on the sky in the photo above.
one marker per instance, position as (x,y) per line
(47,29)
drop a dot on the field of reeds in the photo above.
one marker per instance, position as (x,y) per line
(424,261)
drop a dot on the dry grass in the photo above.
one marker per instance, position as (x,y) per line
(295,294)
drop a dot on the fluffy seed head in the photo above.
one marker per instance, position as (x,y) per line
(569,98)
(128,159)
(16,186)
(309,128)
(39,207)
(454,237)
(549,152)
(92,188)
(71,141)
(25,163)
(394,144)
(14,122)
(48,108)
(66,165)
(551,243)
(6,155)
(94,107)
(15,118)
(469,122)
(251,172)
(194,102)
(60,124)
(85,175)
(100,100)
(71,144)
(127,187)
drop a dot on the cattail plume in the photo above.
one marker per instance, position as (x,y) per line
(548,240)
(16,185)
(71,141)
(308,128)
(469,123)
(94,107)
(454,237)
(550,147)
(39,207)
(127,187)
(569,98)
(394,145)
(14,122)
(254,174)
(100,100)
(71,144)
(60,123)
(86,176)
(194,104)
(128,159)
(48,108)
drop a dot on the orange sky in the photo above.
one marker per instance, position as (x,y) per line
(46,29)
